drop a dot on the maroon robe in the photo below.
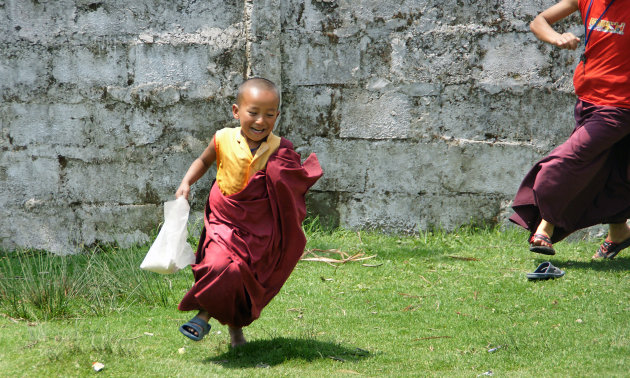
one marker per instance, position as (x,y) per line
(252,240)
(583,182)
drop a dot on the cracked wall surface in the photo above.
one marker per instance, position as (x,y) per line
(423,113)
(426,113)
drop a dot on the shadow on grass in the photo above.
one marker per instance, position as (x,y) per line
(618,264)
(266,353)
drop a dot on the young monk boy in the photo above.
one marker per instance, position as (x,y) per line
(252,237)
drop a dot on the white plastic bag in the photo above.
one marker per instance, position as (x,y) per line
(170,252)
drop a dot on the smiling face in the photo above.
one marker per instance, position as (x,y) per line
(257,111)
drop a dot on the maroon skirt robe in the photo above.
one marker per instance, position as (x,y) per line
(585,180)
(252,240)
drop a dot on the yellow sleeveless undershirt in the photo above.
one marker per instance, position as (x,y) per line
(235,162)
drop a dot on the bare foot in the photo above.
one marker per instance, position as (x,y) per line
(540,241)
(618,232)
(545,228)
(236,337)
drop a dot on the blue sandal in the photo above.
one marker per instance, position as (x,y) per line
(545,271)
(195,324)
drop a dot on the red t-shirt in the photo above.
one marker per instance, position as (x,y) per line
(605,79)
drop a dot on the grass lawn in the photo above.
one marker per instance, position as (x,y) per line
(453,304)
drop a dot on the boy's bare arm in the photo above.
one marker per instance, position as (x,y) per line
(197,169)
(541,26)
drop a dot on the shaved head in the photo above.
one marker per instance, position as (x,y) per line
(258,83)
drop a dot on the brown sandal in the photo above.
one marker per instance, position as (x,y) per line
(545,247)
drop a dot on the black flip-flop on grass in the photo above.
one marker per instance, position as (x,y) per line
(543,249)
(545,271)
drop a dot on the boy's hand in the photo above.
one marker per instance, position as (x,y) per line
(567,41)
(183,190)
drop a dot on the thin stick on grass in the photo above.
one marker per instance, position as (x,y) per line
(137,337)
(463,258)
(10,318)
(409,295)
(311,255)
(429,282)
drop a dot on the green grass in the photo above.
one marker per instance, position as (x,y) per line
(431,304)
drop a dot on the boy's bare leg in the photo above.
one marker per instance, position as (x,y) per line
(236,336)
(203,314)
(540,242)
(545,228)
(618,232)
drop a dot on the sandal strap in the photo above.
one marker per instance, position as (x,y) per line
(205,326)
(606,246)
(603,250)
(542,237)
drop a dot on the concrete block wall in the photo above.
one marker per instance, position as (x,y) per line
(424,113)
(104,106)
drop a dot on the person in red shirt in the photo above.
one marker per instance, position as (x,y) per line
(585,181)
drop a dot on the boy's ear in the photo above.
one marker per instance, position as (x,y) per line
(235,111)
